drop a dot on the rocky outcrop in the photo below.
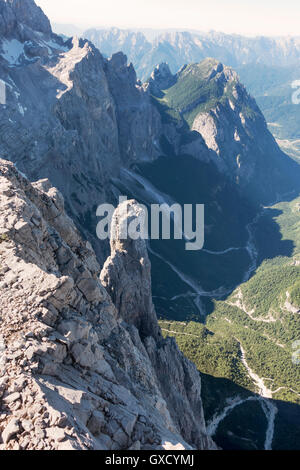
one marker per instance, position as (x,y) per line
(127,278)
(17,15)
(236,132)
(126,274)
(74,374)
(61,109)
(139,122)
(288,306)
(219,122)
(161,79)
(77,118)
(70,115)
(83,365)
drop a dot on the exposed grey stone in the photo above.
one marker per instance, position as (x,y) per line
(135,446)
(57,434)
(91,290)
(12,428)
(11,398)
(92,355)
(126,275)
(96,422)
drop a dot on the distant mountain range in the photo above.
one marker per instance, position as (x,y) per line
(67,29)
(266,65)
(177,48)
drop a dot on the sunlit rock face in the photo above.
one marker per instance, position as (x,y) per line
(75,372)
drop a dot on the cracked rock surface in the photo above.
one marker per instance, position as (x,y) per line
(75,373)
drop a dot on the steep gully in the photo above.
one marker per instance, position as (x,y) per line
(268,407)
(147,193)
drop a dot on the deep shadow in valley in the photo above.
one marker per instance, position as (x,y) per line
(234,247)
(245,426)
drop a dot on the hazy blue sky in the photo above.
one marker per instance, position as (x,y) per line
(251,17)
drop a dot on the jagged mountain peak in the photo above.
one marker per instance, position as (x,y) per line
(26,34)
(208,99)
(161,69)
(78,119)
(195,83)
(24,12)
(127,274)
(118,60)
(116,33)
(209,69)
(160,79)
(174,37)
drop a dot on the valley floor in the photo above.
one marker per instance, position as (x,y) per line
(248,341)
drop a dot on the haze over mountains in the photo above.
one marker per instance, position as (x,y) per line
(267,66)
(178,48)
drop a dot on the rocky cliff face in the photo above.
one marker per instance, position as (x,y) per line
(84,363)
(139,123)
(126,274)
(209,100)
(23,17)
(77,116)
(77,372)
